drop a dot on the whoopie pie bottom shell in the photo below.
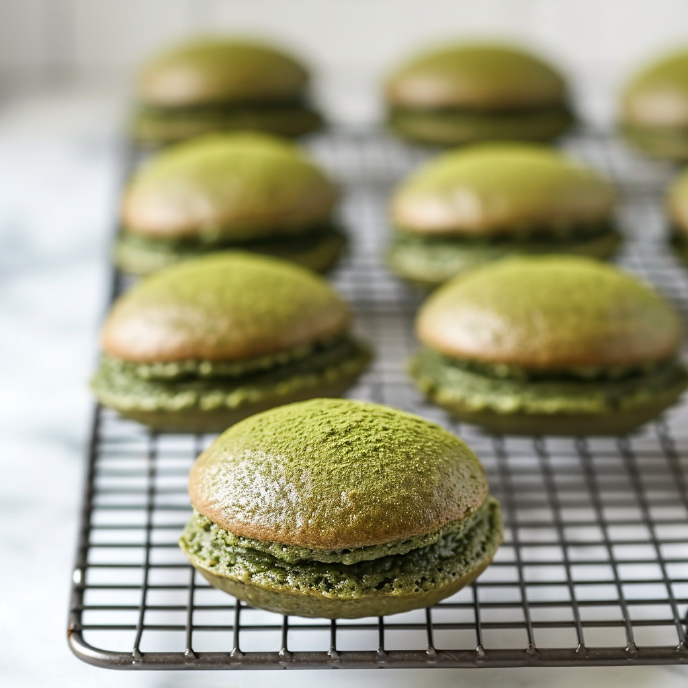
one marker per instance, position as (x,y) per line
(312,606)
(670,143)
(388,585)
(428,265)
(195,420)
(569,425)
(556,406)
(318,252)
(154,129)
(457,127)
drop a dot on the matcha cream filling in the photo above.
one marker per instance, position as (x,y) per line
(217,109)
(546,117)
(510,389)
(436,259)
(213,385)
(515,238)
(405,567)
(189,369)
(212,239)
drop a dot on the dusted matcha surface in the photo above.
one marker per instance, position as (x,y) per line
(336,474)
(211,385)
(502,189)
(240,186)
(227,306)
(435,260)
(455,553)
(476,75)
(510,389)
(220,70)
(550,312)
(658,95)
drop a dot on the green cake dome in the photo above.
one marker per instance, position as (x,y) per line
(335,474)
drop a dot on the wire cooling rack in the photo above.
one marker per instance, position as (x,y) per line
(594,569)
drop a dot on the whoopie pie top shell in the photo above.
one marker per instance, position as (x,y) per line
(218,71)
(677,202)
(476,76)
(658,95)
(501,188)
(235,186)
(553,312)
(223,307)
(336,474)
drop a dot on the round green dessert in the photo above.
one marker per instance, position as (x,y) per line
(654,108)
(340,509)
(490,201)
(253,192)
(477,92)
(200,345)
(677,210)
(222,84)
(554,345)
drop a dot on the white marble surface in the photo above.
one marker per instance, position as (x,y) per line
(58,179)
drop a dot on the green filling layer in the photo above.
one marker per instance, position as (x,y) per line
(455,126)
(666,142)
(206,242)
(436,259)
(292,554)
(478,387)
(164,125)
(513,239)
(316,250)
(187,370)
(223,385)
(458,550)
(216,110)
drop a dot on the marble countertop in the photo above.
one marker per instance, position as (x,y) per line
(58,189)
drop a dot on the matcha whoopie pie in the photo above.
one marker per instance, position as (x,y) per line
(477,92)
(249,191)
(654,108)
(222,84)
(340,509)
(200,345)
(558,345)
(677,209)
(475,205)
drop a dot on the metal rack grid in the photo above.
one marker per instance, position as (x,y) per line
(594,569)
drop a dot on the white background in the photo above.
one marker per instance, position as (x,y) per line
(64,70)
(352,43)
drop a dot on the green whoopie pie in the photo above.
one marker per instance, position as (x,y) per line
(340,509)
(247,191)
(654,108)
(492,200)
(677,210)
(477,92)
(200,345)
(555,345)
(222,84)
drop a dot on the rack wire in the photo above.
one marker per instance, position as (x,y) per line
(594,569)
